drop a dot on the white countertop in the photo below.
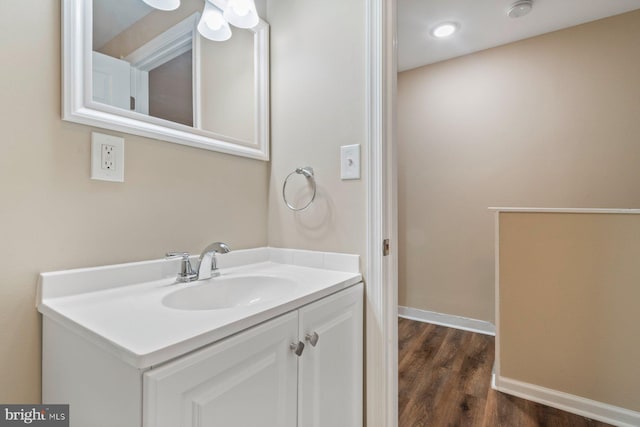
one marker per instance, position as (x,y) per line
(130,321)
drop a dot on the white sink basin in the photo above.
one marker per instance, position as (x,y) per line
(229,292)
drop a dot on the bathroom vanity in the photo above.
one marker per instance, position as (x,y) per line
(275,340)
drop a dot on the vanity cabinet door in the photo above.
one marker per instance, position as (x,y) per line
(330,372)
(247,380)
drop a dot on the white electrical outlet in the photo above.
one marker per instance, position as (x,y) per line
(350,161)
(107,157)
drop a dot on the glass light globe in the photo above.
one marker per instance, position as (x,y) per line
(241,13)
(212,25)
(163,4)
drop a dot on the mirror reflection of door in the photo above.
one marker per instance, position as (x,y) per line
(111,81)
(164,91)
(175,74)
(142,69)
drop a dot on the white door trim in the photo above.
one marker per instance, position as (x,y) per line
(179,39)
(381,274)
(167,46)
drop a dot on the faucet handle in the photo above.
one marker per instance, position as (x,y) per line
(186,273)
(183,255)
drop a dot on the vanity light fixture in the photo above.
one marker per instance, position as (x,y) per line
(212,24)
(520,8)
(444,30)
(163,4)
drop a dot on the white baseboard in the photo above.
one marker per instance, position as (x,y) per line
(593,409)
(449,320)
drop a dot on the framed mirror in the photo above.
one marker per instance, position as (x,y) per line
(132,68)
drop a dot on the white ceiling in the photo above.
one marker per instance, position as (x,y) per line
(111,17)
(485,24)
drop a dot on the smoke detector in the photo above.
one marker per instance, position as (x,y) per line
(520,8)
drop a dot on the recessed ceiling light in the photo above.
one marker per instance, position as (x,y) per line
(444,30)
(520,8)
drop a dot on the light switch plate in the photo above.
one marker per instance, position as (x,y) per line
(107,157)
(350,161)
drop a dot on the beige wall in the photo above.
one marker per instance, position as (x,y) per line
(549,121)
(227,73)
(171,89)
(569,304)
(317,105)
(54,217)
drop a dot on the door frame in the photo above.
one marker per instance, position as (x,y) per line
(170,44)
(381,271)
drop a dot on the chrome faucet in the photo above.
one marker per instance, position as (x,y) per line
(208,267)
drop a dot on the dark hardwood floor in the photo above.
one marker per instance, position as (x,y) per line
(444,380)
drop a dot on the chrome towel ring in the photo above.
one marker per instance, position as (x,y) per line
(307,172)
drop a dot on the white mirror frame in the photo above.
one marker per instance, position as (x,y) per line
(79,107)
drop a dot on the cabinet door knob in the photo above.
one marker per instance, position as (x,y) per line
(312,338)
(297,348)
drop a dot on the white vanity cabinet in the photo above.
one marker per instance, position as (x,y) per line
(255,378)
(278,343)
